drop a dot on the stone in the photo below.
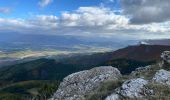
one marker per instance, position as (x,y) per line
(113,96)
(166,56)
(133,88)
(76,85)
(142,69)
(162,77)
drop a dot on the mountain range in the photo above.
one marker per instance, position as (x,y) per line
(158,42)
(21,42)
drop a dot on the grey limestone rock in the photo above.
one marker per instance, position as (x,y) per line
(162,77)
(76,85)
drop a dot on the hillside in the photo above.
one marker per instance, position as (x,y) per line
(126,60)
(41,69)
(141,52)
(26,90)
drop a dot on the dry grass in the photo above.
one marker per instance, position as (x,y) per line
(104,90)
(161,92)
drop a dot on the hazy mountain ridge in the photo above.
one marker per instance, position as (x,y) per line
(141,52)
(158,42)
(67,43)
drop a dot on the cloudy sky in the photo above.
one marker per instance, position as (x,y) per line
(143,19)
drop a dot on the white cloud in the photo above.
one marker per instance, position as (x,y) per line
(44,3)
(86,21)
(93,16)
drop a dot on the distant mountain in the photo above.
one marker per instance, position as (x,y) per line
(158,42)
(13,42)
(141,52)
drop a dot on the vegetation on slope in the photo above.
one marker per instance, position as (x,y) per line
(42,69)
(28,89)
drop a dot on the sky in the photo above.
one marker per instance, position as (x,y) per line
(138,19)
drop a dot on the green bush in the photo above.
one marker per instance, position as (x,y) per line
(47,90)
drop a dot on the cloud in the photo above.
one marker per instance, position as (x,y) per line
(44,3)
(86,21)
(5,10)
(146,11)
(92,16)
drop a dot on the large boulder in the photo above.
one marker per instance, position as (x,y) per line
(162,77)
(76,85)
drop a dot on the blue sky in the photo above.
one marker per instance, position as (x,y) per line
(26,8)
(20,9)
(89,18)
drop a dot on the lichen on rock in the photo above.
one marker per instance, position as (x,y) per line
(133,88)
(76,85)
(166,56)
(162,77)
(113,96)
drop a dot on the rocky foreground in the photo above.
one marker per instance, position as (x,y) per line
(150,83)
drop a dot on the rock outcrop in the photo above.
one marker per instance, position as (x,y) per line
(133,88)
(141,69)
(162,77)
(166,56)
(113,96)
(76,85)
